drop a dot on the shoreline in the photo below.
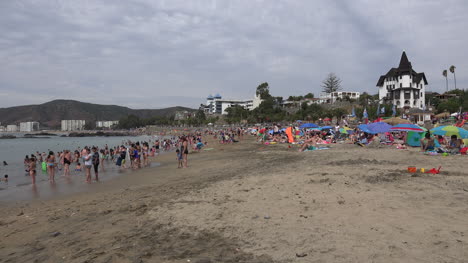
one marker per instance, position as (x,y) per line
(249,202)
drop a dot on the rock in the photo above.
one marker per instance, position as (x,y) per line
(20,214)
(266,217)
(301,255)
(55,234)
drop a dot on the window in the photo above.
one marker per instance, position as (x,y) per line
(400,77)
(401,85)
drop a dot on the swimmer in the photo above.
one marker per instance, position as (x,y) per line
(5,178)
(5,163)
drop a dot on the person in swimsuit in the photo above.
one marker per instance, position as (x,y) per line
(66,162)
(32,170)
(51,166)
(88,161)
(184,151)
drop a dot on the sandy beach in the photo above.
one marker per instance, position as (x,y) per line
(250,202)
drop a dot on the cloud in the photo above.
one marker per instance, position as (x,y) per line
(145,53)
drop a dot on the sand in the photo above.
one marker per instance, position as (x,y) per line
(255,203)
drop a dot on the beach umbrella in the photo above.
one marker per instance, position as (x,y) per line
(327,127)
(308,125)
(443,114)
(379,127)
(327,119)
(314,129)
(346,130)
(364,128)
(450,130)
(407,127)
(395,121)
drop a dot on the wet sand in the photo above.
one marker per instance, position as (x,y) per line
(255,203)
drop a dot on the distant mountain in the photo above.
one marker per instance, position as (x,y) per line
(51,113)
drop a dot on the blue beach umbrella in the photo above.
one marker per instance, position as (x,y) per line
(308,125)
(327,127)
(379,127)
(364,128)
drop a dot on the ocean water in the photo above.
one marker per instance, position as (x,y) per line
(19,186)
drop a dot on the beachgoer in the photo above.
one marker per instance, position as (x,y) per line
(427,143)
(88,162)
(184,152)
(78,167)
(454,144)
(66,163)
(95,160)
(51,166)
(5,178)
(32,170)
(179,159)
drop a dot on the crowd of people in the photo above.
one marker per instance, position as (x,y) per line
(93,159)
(313,138)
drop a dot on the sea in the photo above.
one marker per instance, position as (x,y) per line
(19,187)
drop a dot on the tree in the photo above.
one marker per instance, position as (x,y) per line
(444,73)
(263,90)
(452,69)
(331,83)
(309,96)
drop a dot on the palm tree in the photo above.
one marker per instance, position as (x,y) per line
(444,73)
(452,69)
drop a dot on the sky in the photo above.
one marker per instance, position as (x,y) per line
(156,54)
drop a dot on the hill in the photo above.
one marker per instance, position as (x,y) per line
(51,113)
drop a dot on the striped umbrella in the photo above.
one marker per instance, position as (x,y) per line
(406,127)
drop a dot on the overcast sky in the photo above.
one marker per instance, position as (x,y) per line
(154,54)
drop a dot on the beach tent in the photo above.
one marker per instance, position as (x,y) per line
(379,127)
(414,138)
(308,125)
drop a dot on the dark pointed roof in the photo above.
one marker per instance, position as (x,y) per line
(404,68)
(405,65)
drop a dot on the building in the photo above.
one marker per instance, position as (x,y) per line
(403,86)
(106,124)
(217,105)
(12,128)
(29,126)
(334,96)
(73,125)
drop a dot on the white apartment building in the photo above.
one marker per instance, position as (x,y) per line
(106,124)
(29,126)
(402,86)
(73,125)
(217,105)
(12,128)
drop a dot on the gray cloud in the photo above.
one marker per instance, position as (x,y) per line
(145,53)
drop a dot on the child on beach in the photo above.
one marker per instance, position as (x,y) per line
(78,167)
(179,158)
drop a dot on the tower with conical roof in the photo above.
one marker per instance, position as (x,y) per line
(402,86)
